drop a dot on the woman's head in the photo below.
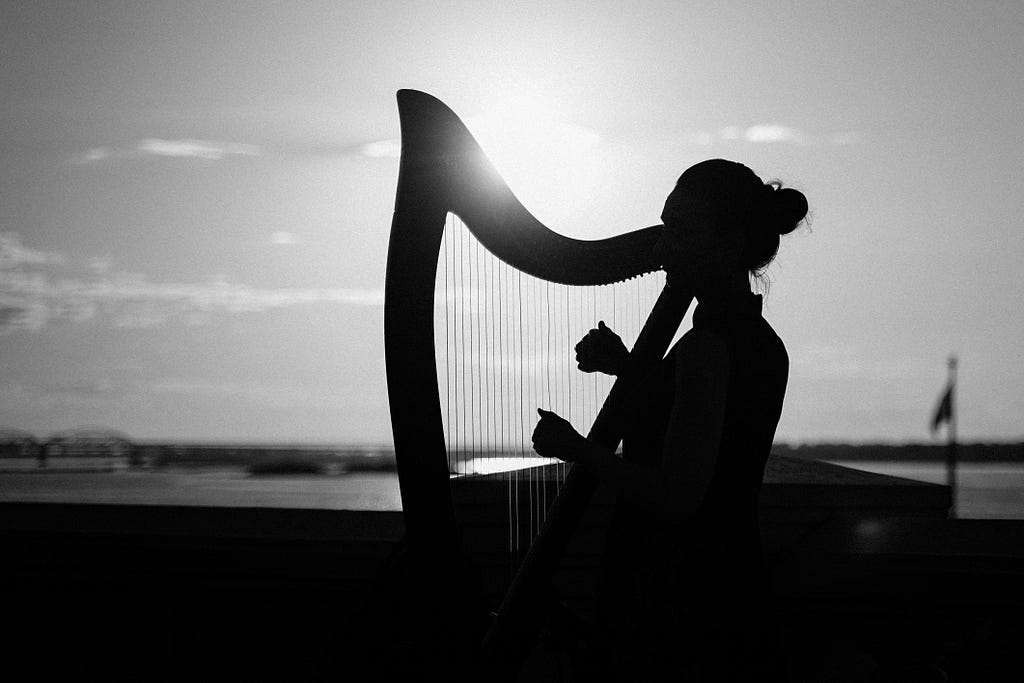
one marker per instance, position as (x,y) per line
(722,217)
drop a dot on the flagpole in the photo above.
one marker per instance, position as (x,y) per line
(951,436)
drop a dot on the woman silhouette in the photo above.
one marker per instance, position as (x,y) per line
(684,589)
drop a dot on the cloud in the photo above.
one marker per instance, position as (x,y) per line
(284,238)
(762,133)
(208,150)
(93,155)
(100,264)
(14,253)
(31,298)
(757,134)
(766,133)
(382,149)
(15,315)
(773,132)
(198,149)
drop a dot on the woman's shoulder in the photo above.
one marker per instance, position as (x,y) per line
(702,340)
(772,342)
(706,349)
(701,351)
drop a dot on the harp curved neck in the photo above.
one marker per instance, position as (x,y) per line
(444,169)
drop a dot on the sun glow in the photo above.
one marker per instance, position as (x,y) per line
(552,165)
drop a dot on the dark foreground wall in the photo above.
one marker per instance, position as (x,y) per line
(176,593)
(876,585)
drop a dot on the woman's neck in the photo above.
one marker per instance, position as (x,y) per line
(734,283)
(739,281)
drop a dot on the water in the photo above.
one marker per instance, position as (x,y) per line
(991,490)
(221,487)
(985,490)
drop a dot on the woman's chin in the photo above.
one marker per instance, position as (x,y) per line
(675,278)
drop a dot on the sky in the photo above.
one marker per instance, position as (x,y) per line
(195,198)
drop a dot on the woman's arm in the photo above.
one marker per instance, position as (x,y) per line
(695,423)
(677,486)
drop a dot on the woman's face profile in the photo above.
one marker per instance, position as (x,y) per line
(695,246)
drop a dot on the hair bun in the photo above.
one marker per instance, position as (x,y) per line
(786,209)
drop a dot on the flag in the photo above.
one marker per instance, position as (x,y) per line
(944,411)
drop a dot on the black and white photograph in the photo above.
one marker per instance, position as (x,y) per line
(555,342)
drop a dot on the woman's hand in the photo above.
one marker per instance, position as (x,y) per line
(554,437)
(601,350)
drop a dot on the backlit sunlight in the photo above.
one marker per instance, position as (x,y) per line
(545,159)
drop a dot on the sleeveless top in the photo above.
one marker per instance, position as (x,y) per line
(709,565)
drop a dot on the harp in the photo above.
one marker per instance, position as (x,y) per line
(450,203)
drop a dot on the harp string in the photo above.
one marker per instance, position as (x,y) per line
(508,349)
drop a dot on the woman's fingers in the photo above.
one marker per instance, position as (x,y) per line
(542,432)
(598,350)
(548,434)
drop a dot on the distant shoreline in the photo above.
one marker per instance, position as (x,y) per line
(313,458)
(922,453)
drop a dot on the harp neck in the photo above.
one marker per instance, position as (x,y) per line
(443,169)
